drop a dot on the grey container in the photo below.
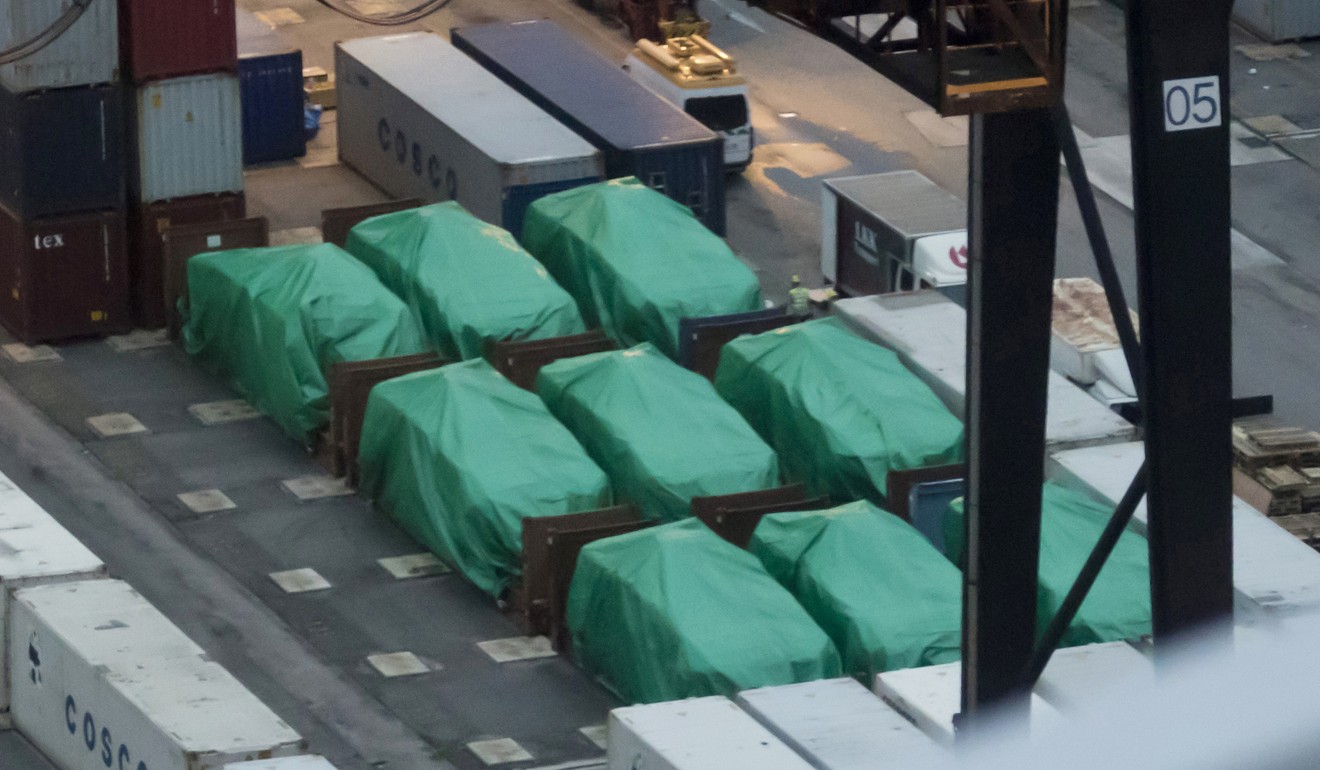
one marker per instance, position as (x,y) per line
(1279,20)
(421,120)
(86,54)
(189,136)
(641,134)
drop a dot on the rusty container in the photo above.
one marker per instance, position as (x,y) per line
(147,248)
(63,277)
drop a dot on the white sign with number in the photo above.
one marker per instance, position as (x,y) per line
(1192,103)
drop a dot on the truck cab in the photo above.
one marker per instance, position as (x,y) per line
(702,80)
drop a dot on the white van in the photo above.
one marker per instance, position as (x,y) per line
(694,74)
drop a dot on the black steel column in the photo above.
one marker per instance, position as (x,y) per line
(1178,71)
(1012,212)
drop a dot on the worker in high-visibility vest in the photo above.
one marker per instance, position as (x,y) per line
(799,300)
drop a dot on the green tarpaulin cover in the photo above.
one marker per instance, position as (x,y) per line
(660,431)
(460,456)
(677,612)
(882,592)
(841,411)
(271,321)
(1118,605)
(467,281)
(636,261)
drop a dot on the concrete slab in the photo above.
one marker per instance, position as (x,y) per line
(499,751)
(115,424)
(517,648)
(22,354)
(221,412)
(414,566)
(307,488)
(394,664)
(597,734)
(941,132)
(207,501)
(139,339)
(298,581)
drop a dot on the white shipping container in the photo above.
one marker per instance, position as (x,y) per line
(86,54)
(837,724)
(189,137)
(1076,675)
(694,734)
(305,762)
(932,695)
(463,136)
(928,331)
(1274,573)
(34,550)
(102,679)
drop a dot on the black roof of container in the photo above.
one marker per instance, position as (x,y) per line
(599,94)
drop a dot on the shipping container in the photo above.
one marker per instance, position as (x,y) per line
(1076,675)
(929,333)
(86,54)
(171,38)
(34,550)
(62,151)
(272,94)
(1279,20)
(694,734)
(837,724)
(641,134)
(930,697)
(882,232)
(63,277)
(189,138)
(1274,573)
(464,136)
(102,679)
(305,762)
(147,248)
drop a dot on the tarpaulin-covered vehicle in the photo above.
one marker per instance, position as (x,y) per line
(882,592)
(637,262)
(676,612)
(841,411)
(460,456)
(661,433)
(271,322)
(1118,605)
(467,281)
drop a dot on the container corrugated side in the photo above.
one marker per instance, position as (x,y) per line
(837,724)
(34,550)
(170,38)
(86,54)
(1274,573)
(189,137)
(272,93)
(695,734)
(101,678)
(932,695)
(928,331)
(62,151)
(306,762)
(465,137)
(1279,20)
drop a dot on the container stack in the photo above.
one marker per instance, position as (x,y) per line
(63,260)
(181,62)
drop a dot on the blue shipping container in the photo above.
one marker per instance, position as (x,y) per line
(272,93)
(61,151)
(639,133)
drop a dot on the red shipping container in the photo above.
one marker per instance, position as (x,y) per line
(147,251)
(169,38)
(63,277)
